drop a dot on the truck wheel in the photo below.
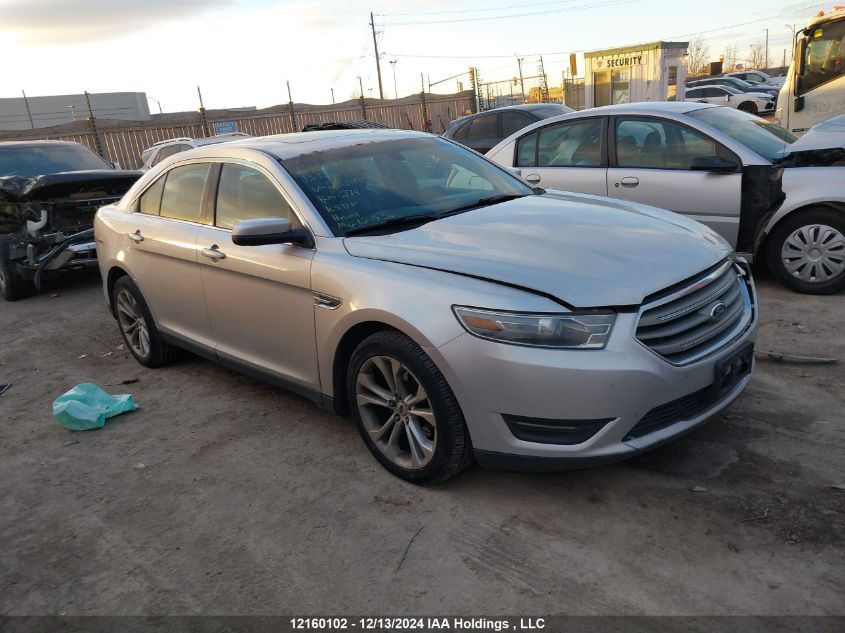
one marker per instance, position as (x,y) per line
(405,411)
(807,251)
(137,326)
(748,106)
(12,285)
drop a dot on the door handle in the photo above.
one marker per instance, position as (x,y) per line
(214,253)
(136,236)
(533,178)
(629,181)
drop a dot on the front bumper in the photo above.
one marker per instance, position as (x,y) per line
(617,387)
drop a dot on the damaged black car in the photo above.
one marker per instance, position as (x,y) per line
(49,193)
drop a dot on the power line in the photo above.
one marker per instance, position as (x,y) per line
(516,15)
(519,6)
(585,50)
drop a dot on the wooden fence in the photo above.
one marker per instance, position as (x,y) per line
(122,142)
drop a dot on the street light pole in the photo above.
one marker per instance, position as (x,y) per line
(395,91)
(158,103)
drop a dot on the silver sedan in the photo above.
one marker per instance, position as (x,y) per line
(452,310)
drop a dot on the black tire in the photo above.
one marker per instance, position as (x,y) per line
(782,231)
(12,285)
(453,448)
(748,106)
(159,353)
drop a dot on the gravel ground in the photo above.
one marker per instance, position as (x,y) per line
(222,495)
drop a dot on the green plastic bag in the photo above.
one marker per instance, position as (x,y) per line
(86,407)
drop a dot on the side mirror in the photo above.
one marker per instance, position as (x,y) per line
(727,98)
(115,165)
(516,171)
(263,231)
(713,163)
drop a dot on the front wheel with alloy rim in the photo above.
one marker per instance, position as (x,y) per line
(807,252)
(405,411)
(748,106)
(137,325)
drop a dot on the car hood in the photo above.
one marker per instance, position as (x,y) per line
(585,251)
(69,184)
(759,95)
(825,135)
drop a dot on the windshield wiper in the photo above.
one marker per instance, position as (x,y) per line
(419,219)
(484,202)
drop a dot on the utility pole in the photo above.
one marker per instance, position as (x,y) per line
(395,91)
(426,124)
(28,111)
(378,63)
(363,105)
(766,60)
(332,95)
(93,121)
(544,86)
(521,82)
(203,117)
(293,127)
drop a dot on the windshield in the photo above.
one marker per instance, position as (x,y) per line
(373,182)
(736,82)
(47,159)
(767,139)
(730,89)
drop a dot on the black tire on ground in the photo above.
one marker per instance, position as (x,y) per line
(12,285)
(453,448)
(748,106)
(160,353)
(813,216)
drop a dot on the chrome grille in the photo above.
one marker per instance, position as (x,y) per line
(686,324)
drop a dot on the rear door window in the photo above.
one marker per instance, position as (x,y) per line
(182,195)
(571,144)
(514,121)
(485,126)
(150,201)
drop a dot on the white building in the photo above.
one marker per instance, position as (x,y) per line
(55,110)
(644,72)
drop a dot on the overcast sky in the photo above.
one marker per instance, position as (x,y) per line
(241,52)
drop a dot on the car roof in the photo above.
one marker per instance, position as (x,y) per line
(283,146)
(645,107)
(38,143)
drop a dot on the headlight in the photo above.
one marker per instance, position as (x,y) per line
(565,331)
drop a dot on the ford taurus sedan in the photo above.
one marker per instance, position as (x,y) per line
(452,310)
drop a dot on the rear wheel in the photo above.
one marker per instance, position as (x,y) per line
(748,106)
(137,326)
(12,285)
(405,411)
(807,252)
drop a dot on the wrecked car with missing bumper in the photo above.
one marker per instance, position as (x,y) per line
(49,193)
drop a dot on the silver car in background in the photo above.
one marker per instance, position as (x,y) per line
(733,171)
(452,310)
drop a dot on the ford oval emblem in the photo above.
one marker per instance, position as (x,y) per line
(718,310)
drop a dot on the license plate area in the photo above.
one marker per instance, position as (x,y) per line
(732,369)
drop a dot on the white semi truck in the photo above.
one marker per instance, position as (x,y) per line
(814,90)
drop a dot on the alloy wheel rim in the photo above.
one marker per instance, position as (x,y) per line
(396,412)
(814,253)
(132,323)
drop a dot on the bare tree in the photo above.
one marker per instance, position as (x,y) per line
(698,55)
(730,57)
(758,59)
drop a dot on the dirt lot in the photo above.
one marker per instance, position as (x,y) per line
(223,495)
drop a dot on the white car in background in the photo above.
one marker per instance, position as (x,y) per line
(163,149)
(758,76)
(726,169)
(753,102)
